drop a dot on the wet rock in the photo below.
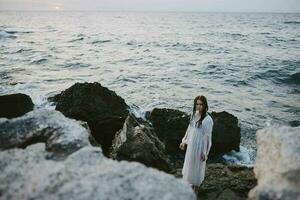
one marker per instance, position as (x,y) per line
(85,174)
(277,166)
(137,141)
(170,126)
(61,135)
(225,182)
(102,108)
(15,105)
(226,133)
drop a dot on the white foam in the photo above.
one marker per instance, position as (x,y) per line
(137,111)
(244,157)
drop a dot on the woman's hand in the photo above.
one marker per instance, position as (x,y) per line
(204,157)
(182,146)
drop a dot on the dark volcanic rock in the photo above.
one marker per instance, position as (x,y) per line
(61,135)
(137,141)
(225,182)
(102,108)
(15,105)
(226,133)
(171,125)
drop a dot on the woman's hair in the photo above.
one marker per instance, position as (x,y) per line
(203,114)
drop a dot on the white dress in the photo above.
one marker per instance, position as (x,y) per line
(198,142)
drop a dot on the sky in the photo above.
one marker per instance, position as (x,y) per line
(156,5)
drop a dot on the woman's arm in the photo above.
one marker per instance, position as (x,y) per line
(208,127)
(185,138)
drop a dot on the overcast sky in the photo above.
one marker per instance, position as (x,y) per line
(156,5)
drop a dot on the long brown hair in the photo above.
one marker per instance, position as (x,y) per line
(204,112)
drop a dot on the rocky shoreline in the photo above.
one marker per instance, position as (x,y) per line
(92,138)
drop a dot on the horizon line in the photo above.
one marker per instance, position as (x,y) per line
(159,11)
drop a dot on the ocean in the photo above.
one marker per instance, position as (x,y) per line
(247,64)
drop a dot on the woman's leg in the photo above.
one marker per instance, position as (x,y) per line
(195,189)
(198,188)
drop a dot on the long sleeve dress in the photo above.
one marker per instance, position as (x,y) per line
(199,141)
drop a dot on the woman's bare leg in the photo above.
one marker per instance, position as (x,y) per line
(198,188)
(195,189)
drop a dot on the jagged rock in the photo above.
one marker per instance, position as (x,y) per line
(85,174)
(137,141)
(61,135)
(102,108)
(15,105)
(225,182)
(170,126)
(277,166)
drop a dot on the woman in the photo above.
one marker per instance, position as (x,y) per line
(198,140)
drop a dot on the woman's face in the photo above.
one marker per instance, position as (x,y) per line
(199,106)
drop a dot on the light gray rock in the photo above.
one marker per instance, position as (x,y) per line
(61,135)
(85,174)
(277,165)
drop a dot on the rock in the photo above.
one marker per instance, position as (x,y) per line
(228,194)
(277,166)
(225,182)
(226,133)
(15,105)
(102,108)
(62,136)
(85,174)
(170,126)
(92,140)
(137,141)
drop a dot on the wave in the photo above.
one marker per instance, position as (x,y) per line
(180,46)
(187,64)
(77,39)
(294,123)
(265,33)
(134,43)
(244,157)
(100,41)
(22,50)
(194,46)
(39,61)
(291,22)
(4,75)
(292,79)
(278,76)
(75,65)
(282,72)
(237,34)
(5,34)
(15,31)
